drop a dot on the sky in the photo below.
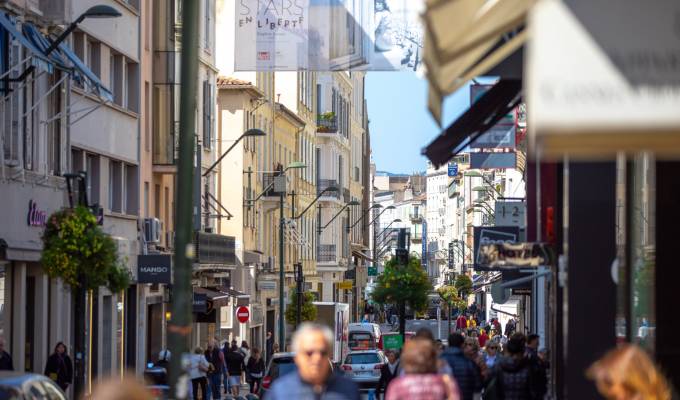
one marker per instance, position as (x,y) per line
(400,124)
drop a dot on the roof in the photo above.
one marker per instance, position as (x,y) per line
(294,118)
(230,81)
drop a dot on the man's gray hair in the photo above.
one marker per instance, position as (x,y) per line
(309,327)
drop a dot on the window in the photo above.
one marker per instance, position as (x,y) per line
(116,78)
(206,23)
(146,199)
(207,114)
(94,58)
(147,117)
(131,101)
(157,201)
(130,190)
(92,169)
(115,186)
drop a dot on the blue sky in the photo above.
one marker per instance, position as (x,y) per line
(399,121)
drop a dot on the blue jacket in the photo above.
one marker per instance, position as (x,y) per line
(291,386)
(465,372)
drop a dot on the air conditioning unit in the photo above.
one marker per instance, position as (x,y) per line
(170,240)
(152,230)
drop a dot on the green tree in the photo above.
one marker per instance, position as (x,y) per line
(449,294)
(308,310)
(79,252)
(403,285)
(464,285)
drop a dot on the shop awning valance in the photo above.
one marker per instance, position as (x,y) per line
(496,103)
(218,298)
(466,38)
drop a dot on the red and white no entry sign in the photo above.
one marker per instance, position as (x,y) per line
(242,314)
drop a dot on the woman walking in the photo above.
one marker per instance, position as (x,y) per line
(255,370)
(198,368)
(59,367)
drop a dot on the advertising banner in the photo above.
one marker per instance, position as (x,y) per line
(328,35)
(490,235)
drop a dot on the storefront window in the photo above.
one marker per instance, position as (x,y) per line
(642,250)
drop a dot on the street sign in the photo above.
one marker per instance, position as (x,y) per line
(154,268)
(394,342)
(200,303)
(503,256)
(453,169)
(510,213)
(372,271)
(346,285)
(493,234)
(242,314)
(266,285)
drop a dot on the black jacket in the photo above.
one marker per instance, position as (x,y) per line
(514,380)
(62,367)
(235,362)
(6,362)
(386,377)
(465,371)
(255,367)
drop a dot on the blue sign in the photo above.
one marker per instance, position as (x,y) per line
(423,256)
(453,169)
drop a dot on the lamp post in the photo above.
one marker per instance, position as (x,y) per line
(98,11)
(282,272)
(375,237)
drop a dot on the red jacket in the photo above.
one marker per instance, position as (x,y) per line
(482,339)
(461,323)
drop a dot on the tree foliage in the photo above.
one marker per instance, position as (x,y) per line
(403,284)
(463,284)
(308,309)
(450,296)
(78,251)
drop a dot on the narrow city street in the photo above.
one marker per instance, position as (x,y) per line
(200,196)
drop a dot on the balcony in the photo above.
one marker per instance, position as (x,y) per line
(268,179)
(323,184)
(327,123)
(325,253)
(416,218)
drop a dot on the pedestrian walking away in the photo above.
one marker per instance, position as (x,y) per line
(216,368)
(314,378)
(5,358)
(198,373)
(255,370)
(245,350)
(235,366)
(269,343)
(388,372)
(421,380)
(59,367)
(538,366)
(514,380)
(464,370)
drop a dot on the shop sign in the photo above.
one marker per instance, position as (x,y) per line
(372,271)
(493,160)
(36,217)
(493,234)
(510,213)
(394,342)
(257,315)
(502,256)
(154,268)
(521,292)
(345,285)
(266,285)
(200,303)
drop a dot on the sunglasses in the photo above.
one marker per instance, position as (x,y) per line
(310,353)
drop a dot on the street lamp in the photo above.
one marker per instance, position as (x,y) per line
(375,238)
(388,226)
(248,133)
(351,203)
(477,174)
(98,11)
(282,274)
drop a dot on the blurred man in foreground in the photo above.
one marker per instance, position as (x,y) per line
(314,378)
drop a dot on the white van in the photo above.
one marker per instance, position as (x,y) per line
(364,336)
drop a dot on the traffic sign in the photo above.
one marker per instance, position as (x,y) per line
(242,314)
(453,169)
(393,342)
(372,271)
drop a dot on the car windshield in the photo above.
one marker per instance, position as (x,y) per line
(282,366)
(361,340)
(363,358)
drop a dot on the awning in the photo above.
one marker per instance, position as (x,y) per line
(251,257)
(363,255)
(39,60)
(218,298)
(495,104)
(466,38)
(242,299)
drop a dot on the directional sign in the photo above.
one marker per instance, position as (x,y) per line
(453,169)
(504,256)
(242,314)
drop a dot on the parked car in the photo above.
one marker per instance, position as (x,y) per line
(21,385)
(280,364)
(363,367)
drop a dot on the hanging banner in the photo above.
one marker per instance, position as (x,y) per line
(492,235)
(328,35)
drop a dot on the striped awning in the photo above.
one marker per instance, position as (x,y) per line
(467,38)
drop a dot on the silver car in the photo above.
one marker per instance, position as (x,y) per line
(363,367)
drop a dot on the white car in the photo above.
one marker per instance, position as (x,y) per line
(363,367)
